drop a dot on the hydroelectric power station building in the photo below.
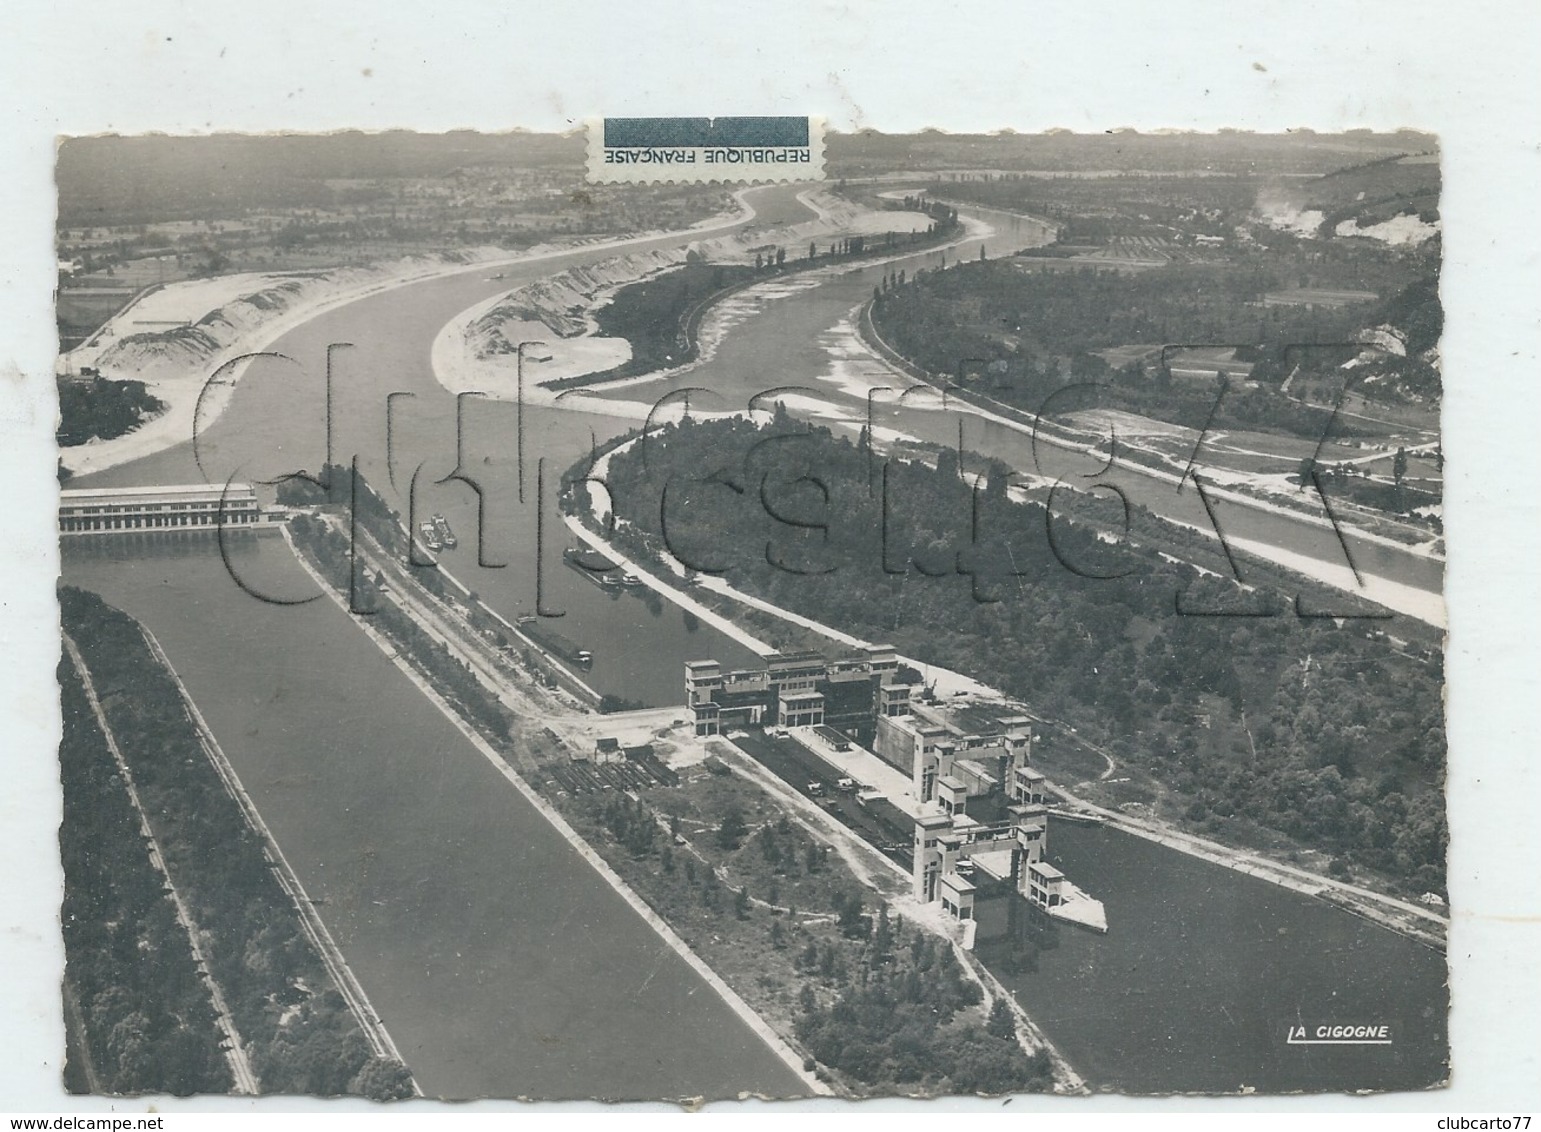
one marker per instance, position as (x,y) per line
(145,510)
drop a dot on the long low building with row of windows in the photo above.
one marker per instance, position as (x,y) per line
(174,508)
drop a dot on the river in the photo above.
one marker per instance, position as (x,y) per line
(492,976)
(795,336)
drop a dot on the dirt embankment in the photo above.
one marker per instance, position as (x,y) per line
(173,352)
(564,302)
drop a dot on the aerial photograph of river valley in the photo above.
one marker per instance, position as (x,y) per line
(970,624)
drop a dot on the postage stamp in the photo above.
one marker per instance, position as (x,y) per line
(701,150)
(600,616)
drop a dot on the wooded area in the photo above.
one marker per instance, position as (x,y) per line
(1020,334)
(1323,731)
(879,1005)
(96,408)
(661,316)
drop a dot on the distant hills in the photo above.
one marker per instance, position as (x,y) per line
(1229,151)
(141,180)
(112,180)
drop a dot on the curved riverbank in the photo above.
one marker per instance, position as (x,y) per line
(1187,897)
(182,387)
(1400,597)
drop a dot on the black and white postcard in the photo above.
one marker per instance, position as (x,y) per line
(754,605)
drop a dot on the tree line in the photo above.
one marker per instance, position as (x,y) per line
(149,1026)
(1021,334)
(95,407)
(300,1034)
